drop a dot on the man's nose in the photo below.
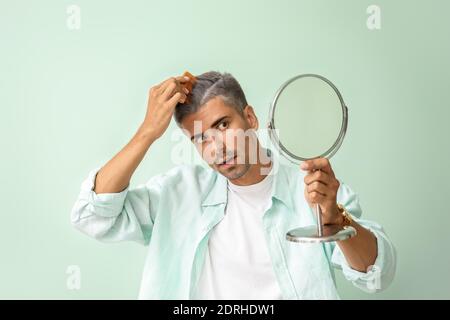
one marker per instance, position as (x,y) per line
(218,143)
(218,149)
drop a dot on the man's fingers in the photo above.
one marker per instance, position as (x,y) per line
(165,83)
(175,99)
(317,164)
(318,175)
(168,91)
(182,79)
(317,187)
(169,82)
(316,197)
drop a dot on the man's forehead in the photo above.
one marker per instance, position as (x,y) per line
(206,115)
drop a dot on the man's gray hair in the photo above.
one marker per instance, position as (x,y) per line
(208,86)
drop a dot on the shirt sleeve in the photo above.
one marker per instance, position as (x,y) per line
(112,217)
(379,276)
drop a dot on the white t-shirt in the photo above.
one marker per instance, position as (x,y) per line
(237,263)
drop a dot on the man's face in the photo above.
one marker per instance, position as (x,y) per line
(225,139)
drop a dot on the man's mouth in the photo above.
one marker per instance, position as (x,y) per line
(228,162)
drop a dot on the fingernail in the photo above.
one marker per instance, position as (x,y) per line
(186,78)
(303,165)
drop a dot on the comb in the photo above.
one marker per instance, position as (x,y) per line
(189,84)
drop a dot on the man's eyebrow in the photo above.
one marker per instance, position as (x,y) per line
(214,124)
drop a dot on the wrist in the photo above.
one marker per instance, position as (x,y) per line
(339,218)
(146,133)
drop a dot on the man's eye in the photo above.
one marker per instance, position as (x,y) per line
(223,125)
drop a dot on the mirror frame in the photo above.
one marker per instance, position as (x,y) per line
(272,128)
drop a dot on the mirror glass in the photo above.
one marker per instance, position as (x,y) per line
(309,118)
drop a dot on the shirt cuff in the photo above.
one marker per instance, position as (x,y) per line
(369,281)
(103,204)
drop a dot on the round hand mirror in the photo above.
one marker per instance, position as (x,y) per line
(308,119)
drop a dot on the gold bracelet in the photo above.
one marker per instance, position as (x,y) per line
(345,214)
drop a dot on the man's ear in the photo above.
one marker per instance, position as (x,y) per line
(250,117)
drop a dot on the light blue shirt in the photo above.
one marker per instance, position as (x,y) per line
(174,213)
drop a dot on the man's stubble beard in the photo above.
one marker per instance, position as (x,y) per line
(235,172)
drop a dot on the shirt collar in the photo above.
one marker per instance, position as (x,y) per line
(280,190)
(281,182)
(218,190)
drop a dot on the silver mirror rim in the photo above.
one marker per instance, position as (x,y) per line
(272,129)
(311,237)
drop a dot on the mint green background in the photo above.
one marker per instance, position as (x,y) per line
(71,99)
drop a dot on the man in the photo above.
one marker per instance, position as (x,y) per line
(219,232)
